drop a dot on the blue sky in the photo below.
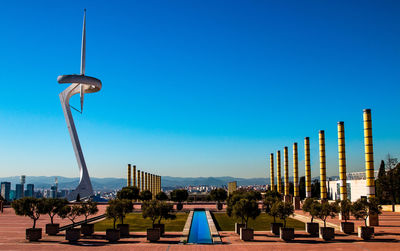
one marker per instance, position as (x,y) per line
(197,88)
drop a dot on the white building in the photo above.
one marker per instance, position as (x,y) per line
(356,186)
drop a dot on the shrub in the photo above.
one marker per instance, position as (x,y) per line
(179,195)
(269,201)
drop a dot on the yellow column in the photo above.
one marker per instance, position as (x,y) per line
(159,183)
(373,219)
(271,176)
(142,185)
(134,176)
(286,167)
(322,164)
(278,172)
(146,181)
(129,176)
(369,153)
(342,161)
(138,180)
(295,171)
(307,165)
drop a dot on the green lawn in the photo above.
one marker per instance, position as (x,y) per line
(262,223)
(138,224)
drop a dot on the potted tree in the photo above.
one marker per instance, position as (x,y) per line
(161,196)
(326,209)
(232,200)
(309,207)
(71,212)
(218,195)
(124,209)
(245,209)
(272,197)
(32,208)
(345,208)
(113,212)
(151,209)
(165,210)
(87,209)
(362,209)
(179,195)
(285,209)
(52,207)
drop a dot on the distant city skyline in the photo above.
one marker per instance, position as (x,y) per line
(198,89)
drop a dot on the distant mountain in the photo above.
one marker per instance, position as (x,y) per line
(110,184)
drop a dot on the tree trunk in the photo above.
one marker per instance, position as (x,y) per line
(34,223)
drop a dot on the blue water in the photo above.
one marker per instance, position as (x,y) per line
(199,231)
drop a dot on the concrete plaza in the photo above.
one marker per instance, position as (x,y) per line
(12,237)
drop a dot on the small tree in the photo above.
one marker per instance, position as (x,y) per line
(232,200)
(162,196)
(309,207)
(129,193)
(88,208)
(113,210)
(363,208)
(72,212)
(151,209)
(245,209)
(284,210)
(53,206)
(165,210)
(179,195)
(30,207)
(345,208)
(326,209)
(269,202)
(145,195)
(218,195)
(124,209)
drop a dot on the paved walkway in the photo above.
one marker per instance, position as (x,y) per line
(12,237)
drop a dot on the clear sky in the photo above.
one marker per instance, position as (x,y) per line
(197,88)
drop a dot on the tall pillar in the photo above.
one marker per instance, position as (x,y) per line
(159,183)
(146,181)
(342,161)
(278,172)
(307,165)
(286,174)
(271,176)
(373,220)
(138,181)
(142,184)
(129,176)
(322,165)
(296,198)
(134,176)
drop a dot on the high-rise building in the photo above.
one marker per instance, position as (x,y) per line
(5,190)
(19,191)
(29,192)
(232,186)
(53,193)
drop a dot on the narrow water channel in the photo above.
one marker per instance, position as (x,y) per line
(199,230)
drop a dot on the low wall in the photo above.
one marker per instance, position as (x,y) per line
(389,208)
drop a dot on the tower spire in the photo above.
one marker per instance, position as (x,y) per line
(83,49)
